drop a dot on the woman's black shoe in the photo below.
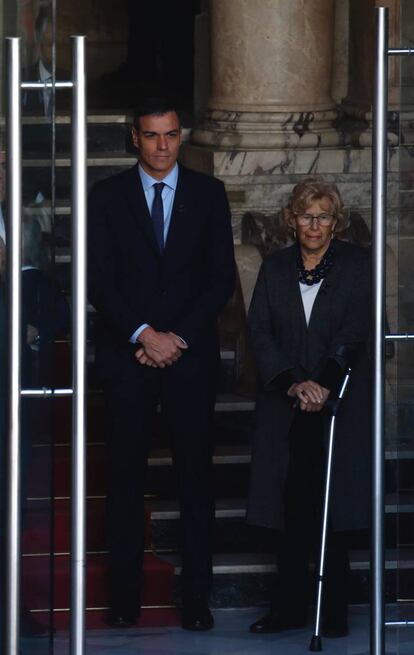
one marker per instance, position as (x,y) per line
(275,622)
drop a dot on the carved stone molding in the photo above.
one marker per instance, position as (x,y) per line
(271,71)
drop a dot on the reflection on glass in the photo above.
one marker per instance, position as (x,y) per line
(400,437)
(40,102)
(44,319)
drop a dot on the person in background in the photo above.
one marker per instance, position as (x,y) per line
(309,320)
(39,103)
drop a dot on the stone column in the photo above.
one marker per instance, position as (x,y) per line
(271,70)
(341,51)
(358,102)
(271,118)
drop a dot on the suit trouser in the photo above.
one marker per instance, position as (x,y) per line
(186,392)
(304,493)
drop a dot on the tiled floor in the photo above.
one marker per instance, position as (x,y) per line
(230,637)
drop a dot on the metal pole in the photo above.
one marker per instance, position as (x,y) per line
(379,206)
(14,226)
(78,559)
(401,51)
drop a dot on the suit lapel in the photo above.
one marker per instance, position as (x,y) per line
(178,232)
(139,208)
(297,312)
(293,306)
(321,306)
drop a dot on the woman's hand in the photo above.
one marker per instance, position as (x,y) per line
(311,395)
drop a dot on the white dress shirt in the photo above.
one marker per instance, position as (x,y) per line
(309,293)
(167,195)
(45,76)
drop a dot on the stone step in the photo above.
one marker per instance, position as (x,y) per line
(240,579)
(102,162)
(231,527)
(163,525)
(231,471)
(107,132)
(36,578)
(248,579)
(232,423)
(37,172)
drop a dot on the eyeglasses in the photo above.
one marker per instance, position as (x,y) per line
(306,220)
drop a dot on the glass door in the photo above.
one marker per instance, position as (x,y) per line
(399,437)
(45,326)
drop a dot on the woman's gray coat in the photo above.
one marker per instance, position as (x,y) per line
(338,330)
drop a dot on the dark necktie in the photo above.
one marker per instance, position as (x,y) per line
(157,215)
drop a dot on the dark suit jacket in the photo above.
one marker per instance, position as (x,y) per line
(283,342)
(45,308)
(131,283)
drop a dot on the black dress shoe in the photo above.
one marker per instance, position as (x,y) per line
(335,628)
(121,618)
(274,621)
(196,615)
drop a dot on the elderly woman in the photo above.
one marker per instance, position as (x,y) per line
(309,319)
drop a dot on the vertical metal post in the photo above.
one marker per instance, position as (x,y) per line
(79,149)
(13,231)
(379,208)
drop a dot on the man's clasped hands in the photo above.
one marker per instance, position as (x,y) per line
(159,349)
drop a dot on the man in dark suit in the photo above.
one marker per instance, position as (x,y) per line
(161,268)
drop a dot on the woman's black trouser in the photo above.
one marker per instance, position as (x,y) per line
(304,494)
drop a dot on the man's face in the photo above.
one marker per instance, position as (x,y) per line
(158,141)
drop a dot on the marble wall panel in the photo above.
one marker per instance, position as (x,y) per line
(255,163)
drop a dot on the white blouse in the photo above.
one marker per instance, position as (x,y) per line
(309,293)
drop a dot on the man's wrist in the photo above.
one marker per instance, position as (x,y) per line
(146,334)
(134,337)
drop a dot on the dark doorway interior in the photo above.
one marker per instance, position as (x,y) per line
(159,55)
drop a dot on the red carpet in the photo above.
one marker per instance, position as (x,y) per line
(37,539)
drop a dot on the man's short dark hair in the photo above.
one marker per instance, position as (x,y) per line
(157,106)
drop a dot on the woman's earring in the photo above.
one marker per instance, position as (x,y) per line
(333,234)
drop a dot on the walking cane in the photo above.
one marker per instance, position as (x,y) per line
(316,643)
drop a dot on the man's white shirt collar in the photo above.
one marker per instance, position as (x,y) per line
(43,72)
(169,180)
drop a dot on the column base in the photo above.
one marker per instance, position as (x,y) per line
(243,130)
(400,124)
